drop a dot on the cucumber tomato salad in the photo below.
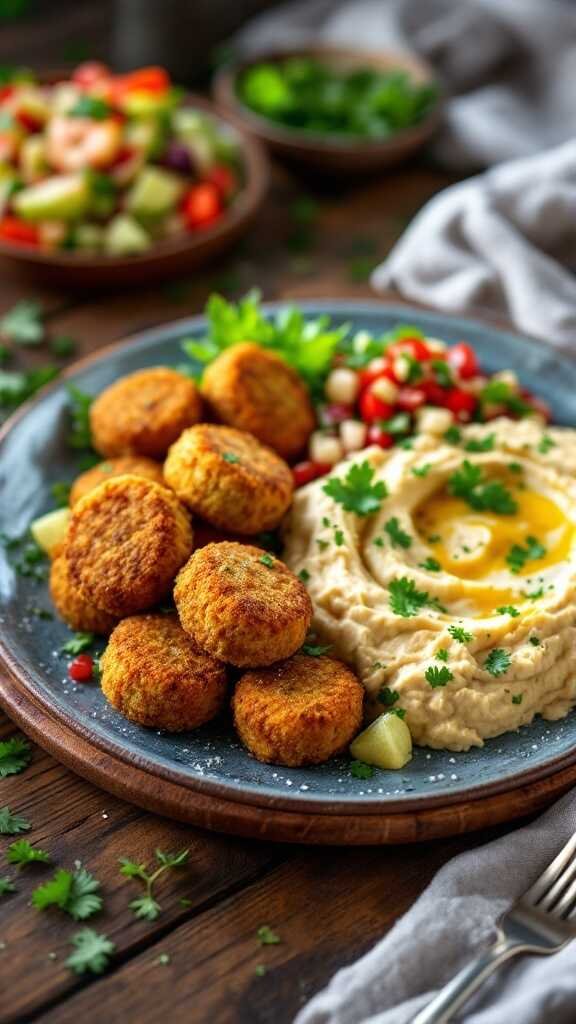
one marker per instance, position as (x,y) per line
(110,164)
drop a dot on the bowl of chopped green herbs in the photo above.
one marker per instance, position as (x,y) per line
(335,110)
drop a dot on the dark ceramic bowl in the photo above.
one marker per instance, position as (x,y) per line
(334,154)
(169,258)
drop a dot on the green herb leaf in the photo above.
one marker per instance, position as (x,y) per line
(361,770)
(518,556)
(453,435)
(484,444)
(90,106)
(535,641)
(6,886)
(267,937)
(92,952)
(11,824)
(315,650)
(16,388)
(15,756)
(387,696)
(145,907)
(460,634)
(267,560)
(304,575)
(231,458)
(470,484)
(22,852)
(23,323)
(61,493)
(399,712)
(431,564)
(75,892)
(80,436)
(438,676)
(63,346)
(396,534)
(356,492)
(508,609)
(442,654)
(517,698)
(406,600)
(422,470)
(499,392)
(498,662)
(78,643)
(545,444)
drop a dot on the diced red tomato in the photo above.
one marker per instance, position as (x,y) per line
(435,395)
(90,72)
(12,229)
(410,399)
(80,670)
(6,91)
(202,205)
(152,79)
(305,472)
(461,403)
(373,408)
(224,179)
(376,435)
(462,359)
(377,368)
(28,121)
(415,347)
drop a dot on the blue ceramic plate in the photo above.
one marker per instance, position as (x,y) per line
(33,454)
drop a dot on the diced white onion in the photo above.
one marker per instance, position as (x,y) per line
(507,377)
(342,385)
(326,449)
(385,390)
(401,366)
(433,421)
(353,435)
(435,345)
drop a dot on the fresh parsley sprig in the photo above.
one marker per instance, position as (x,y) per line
(406,600)
(92,952)
(146,906)
(76,892)
(21,852)
(15,756)
(357,492)
(481,493)
(11,824)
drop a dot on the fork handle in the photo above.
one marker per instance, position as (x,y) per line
(464,984)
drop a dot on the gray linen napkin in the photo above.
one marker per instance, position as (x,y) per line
(450,923)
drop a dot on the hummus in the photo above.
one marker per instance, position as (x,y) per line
(460,613)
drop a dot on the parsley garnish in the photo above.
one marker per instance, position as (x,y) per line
(322,544)
(545,444)
(460,634)
(146,906)
(75,892)
(356,492)
(267,937)
(378,542)
(315,650)
(499,392)
(515,467)
(406,600)
(438,676)
(16,387)
(470,484)
(387,696)
(453,435)
(431,564)
(80,435)
(518,556)
(22,852)
(338,538)
(400,423)
(267,560)
(508,609)
(442,372)
(304,575)
(498,662)
(399,712)
(90,106)
(12,824)
(535,641)
(422,470)
(260,970)
(397,535)
(91,952)
(23,323)
(61,493)
(361,770)
(6,885)
(62,346)
(230,457)
(534,594)
(78,643)
(517,698)
(484,444)
(442,654)
(15,755)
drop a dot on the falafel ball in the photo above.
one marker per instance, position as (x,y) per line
(154,675)
(242,605)
(126,541)
(229,479)
(253,389)
(78,613)
(133,465)
(144,413)
(301,711)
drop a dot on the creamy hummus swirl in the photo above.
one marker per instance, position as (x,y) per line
(493,582)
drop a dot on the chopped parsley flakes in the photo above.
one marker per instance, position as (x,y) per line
(517,698)
(508,609)
(442,654)
(484,444)
(230,457)
(398,537)
(267,560)
(453,435)
(387,696)
(304,575)
(356,492)
(422,471)
(470,484)
(518,556)
(460,634)
(498,662)
(545,444)
(535,641)
(431,564)
(406,600)
(361,770)
(438,676)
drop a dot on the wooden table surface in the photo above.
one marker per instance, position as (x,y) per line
(202,962)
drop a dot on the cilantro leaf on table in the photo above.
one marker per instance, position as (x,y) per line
(6,885)
(356,492)
(498,662)
(482,494)
(15,756)
(406,601)
(267,937)
(23,324)
(75,892)
(438,676)
(93,107)
(22,852)
(518,555)
(91,952)
(398,537)
(11,824)
(146,906)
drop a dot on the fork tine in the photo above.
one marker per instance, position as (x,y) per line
(560,885)
(566,904)
(551,873)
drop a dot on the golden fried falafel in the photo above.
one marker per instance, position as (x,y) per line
(78,613)
(300,711)
(126,541)
(153,673)
(242,605)
(144,413)
(131,465)
(253,389)
(229,479)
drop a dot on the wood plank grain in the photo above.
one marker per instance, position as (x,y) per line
(74,821)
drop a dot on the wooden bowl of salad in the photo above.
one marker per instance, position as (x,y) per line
(111,180)
(335,110)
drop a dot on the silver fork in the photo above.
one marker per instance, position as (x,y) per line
(538,923)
